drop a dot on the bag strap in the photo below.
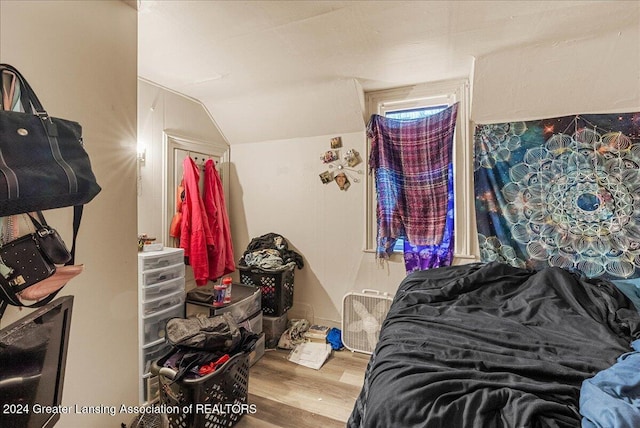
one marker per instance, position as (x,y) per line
(37,109)
(28,92)
(11,91)
(77,218)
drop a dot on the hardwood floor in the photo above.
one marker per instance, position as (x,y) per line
(289,395)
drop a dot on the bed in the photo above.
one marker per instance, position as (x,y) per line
(490,345)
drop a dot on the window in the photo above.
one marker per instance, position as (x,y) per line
(415,113)
(419,101)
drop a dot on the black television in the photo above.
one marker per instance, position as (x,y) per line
(33,356)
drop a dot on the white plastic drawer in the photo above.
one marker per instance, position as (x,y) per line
(243,309)
(161,259)
(164,302)
(162,289)
(151,389)
(253,324)
(153,353)
(154,324)
(155,276)
(258,350)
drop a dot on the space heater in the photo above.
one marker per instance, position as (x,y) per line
(362,317)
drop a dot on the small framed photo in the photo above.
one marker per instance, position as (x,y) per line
(342,181)
(352,158)
(326,177)
(336,142)
(330,156)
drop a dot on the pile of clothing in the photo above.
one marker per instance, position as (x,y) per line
(270,252)
(294,335)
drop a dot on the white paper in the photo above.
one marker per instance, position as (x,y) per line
(310,354)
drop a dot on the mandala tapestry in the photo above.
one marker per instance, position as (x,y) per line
(562,192)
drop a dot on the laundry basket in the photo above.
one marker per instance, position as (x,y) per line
(147,420)
(216,400)
(276,286)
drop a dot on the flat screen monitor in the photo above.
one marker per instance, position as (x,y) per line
(33,355)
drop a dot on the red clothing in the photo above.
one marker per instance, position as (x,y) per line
(221,260)
(195,235)
(213,365)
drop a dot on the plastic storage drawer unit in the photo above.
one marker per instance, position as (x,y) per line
(273,328)
(161,297)
(155,276)
(151,389)
(258,351)
(253,323)
(152,352)
(161,289)
(160,259)
(154,324)
(161,303)
(245,302)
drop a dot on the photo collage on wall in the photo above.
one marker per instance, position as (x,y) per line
(337,166)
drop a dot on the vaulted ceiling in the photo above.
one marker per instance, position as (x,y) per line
(305,63)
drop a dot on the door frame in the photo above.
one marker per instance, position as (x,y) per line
(173,141)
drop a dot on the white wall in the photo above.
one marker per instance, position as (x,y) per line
(275,187)
(284,111)
(598,74)
(80,57)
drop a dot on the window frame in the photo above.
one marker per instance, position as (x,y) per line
(425,95)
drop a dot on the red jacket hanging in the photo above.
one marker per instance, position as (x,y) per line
(221,261)
(195,235)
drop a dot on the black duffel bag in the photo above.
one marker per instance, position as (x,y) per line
(43,164)
(218,333)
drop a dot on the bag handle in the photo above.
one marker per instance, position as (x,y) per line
(36,105)
(77,218)
(33,101)
(12,91)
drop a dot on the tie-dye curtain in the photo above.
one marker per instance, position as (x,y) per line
(412,163)
(562,192)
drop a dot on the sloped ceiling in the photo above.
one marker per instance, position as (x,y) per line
(270,70)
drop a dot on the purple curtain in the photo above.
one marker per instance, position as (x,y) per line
(412,164)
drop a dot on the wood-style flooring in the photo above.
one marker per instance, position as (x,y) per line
(288,395)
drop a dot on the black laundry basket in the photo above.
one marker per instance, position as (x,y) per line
(276,287)
(216,400)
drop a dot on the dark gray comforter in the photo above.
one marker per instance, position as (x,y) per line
(489,345)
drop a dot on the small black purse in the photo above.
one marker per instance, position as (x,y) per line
(27,263)
(32,258)
(49,241)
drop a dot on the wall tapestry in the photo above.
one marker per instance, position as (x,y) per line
(562,192)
